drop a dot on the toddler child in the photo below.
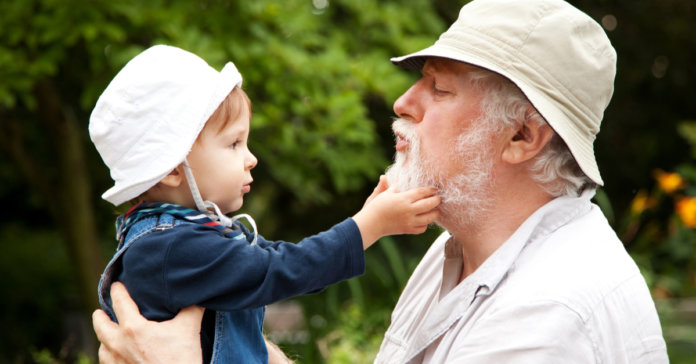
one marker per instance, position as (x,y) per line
(173,132)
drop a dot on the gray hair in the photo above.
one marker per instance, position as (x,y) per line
(554,167)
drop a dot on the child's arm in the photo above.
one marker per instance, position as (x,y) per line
(388,212)
(195,264)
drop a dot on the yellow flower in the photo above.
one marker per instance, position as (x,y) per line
(686,209)
(669,182)
(641,202)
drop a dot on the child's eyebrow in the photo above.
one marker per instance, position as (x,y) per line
(234,129)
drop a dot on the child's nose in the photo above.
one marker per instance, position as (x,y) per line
(251,161)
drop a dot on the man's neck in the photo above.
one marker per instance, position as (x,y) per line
(481,237)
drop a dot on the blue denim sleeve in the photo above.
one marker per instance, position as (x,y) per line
(192,264)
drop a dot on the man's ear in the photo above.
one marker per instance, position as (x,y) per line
(174,178)
(527,142)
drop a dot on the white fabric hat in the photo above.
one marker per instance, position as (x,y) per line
(557,55)
(146,121)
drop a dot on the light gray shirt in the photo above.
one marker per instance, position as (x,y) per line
(561,289)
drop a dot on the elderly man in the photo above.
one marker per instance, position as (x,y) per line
(503,122)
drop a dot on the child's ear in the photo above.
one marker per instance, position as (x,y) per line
(174,178)
(527,142)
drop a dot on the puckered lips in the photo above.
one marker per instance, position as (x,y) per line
(401,142)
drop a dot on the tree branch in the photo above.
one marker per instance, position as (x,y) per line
(13,141)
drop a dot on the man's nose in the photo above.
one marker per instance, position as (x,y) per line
(408,106)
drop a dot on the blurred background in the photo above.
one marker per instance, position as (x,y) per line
(322,86)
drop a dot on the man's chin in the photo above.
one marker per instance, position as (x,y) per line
(391,177)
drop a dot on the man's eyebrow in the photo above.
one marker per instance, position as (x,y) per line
(430,67)
(427,70)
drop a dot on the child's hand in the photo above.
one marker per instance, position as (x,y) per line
(388,212)
(381,187)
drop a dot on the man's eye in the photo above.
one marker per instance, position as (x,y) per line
(438,91)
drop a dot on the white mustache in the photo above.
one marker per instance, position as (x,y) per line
(405,129)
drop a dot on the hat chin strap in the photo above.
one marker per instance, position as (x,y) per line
(206,206)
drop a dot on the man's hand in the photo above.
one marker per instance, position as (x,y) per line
(137,340)
(275,354)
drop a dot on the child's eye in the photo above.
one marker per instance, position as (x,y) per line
(234,145)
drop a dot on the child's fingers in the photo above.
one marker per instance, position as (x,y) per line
(382,185)
(419,229)
(419,193)
(427,203)
(427,217)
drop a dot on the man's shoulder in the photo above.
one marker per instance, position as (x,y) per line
(583,269)
(578,265)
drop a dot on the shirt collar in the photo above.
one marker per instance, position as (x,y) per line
(541,223)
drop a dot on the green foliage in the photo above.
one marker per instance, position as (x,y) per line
(687,130)
(35,283)
(679,328)
(310,124)
(45,356)
(660,228)
(356,337)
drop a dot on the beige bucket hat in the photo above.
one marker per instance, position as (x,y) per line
(558,56)
(147,119)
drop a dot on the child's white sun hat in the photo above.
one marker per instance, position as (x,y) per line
(147,119)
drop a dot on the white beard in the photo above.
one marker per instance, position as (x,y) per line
(465,195)
(406,176)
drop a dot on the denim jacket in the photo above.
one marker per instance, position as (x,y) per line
(169,263)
